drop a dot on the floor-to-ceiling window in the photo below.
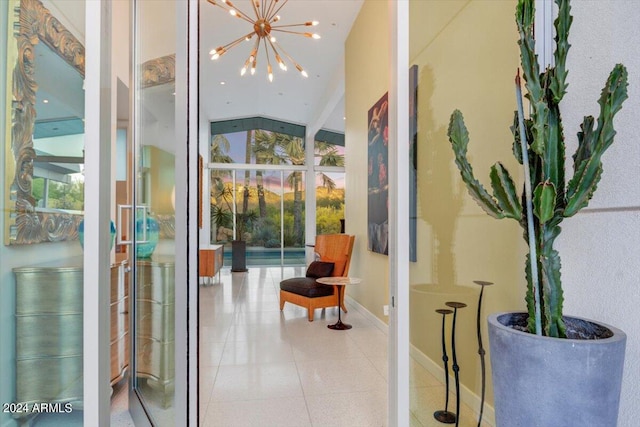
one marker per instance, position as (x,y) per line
(330,182)
(257,188)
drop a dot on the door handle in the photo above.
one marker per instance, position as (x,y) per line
(119,238)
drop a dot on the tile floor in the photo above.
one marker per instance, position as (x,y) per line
(263,367)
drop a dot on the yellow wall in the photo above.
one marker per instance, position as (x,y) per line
(162,177)
(367,79)
(467,56)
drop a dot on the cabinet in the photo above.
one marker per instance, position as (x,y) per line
(155,323)
(210,261)
(48,317)
(120,338)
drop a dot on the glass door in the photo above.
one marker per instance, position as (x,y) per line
(152,215)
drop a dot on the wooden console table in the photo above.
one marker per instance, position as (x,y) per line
(211,262)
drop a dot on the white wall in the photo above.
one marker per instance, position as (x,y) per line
(600,247)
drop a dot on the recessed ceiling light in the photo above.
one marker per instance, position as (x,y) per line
(344,118)
(45,101)
(223,83)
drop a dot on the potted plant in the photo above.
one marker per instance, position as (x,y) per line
(549,369)
(223,216)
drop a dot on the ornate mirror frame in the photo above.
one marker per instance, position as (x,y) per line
(25,225)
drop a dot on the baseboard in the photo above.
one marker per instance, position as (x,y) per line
(366,313)
(466,395)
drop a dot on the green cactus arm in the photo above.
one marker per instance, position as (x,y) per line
(552,293)
(589,173)
(554,156)
(459,138)
(544,201)
(529,297)
(562,24)
(517,139)
(593,144)
(525,12)
(504,192)
(586,142)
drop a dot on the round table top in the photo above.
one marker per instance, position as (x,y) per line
(341,281)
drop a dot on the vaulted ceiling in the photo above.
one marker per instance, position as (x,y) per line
(316,101)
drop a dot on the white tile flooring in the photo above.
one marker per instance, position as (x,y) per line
(263,367)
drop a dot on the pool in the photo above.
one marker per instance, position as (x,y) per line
(259,256)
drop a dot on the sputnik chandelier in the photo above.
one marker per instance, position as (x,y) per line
(266,15)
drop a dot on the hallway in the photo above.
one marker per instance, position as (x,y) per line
(261,367)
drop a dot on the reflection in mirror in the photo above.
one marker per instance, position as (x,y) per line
(155,280)
(58,138)
(43,178)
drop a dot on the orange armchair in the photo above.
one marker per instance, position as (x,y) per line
(305,291)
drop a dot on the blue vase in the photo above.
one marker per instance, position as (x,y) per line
(145,245)
(81,233)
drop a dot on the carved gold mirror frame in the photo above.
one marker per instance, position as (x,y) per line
(25,225)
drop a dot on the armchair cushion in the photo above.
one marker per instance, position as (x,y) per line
(306,286)
(319,269)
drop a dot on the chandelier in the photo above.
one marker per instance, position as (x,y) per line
(266,15)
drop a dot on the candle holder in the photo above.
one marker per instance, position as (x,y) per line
(445,416)
(481,351)
(456,369)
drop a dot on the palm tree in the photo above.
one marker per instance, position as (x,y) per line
(294,152)
(265,149)
(329,156)
(247,174)
(220,146)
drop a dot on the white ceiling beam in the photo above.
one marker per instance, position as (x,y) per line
(327,104)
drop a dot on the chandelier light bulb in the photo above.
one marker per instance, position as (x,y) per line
(276,18)
(273,39)
(315,36)
(243,71)
(314,23)
(217,53)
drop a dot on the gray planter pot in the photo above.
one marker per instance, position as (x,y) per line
(238,256)
(542,381)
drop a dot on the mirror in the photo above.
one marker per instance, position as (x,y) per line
(157,121)
(45,189)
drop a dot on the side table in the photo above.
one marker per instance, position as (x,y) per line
(340,282)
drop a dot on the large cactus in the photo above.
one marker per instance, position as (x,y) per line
(553,198)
